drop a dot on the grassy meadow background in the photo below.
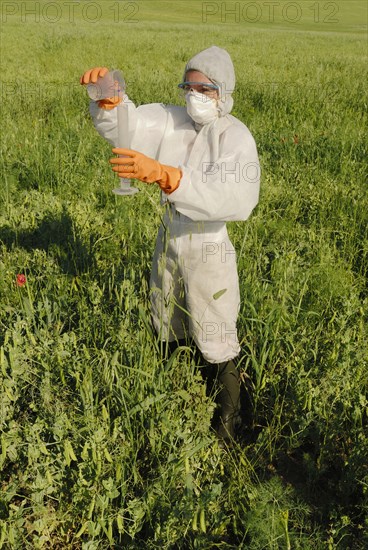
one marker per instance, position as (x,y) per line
(105,444)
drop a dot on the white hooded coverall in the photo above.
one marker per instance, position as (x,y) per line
(194,281)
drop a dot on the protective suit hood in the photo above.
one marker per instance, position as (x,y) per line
(216,64)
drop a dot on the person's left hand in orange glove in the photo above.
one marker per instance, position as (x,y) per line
(136,165)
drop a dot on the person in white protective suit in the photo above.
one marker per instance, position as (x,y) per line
(205,161)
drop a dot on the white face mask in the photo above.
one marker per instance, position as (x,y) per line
(200,108)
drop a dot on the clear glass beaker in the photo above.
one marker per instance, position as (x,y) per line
(112,85)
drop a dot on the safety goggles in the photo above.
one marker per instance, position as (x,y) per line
(205,88)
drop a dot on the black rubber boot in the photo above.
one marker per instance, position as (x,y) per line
(228,399)
(175,344)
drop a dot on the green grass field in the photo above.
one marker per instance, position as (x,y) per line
(105,444)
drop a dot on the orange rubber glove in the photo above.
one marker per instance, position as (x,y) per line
(109,103)
(90,77)
(146,169)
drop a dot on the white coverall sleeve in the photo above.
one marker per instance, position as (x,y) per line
(147,124)
(105,122)
(227,190)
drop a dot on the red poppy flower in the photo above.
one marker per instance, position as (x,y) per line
(21,279)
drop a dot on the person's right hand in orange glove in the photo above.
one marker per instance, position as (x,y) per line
(90,77)
(136,165)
